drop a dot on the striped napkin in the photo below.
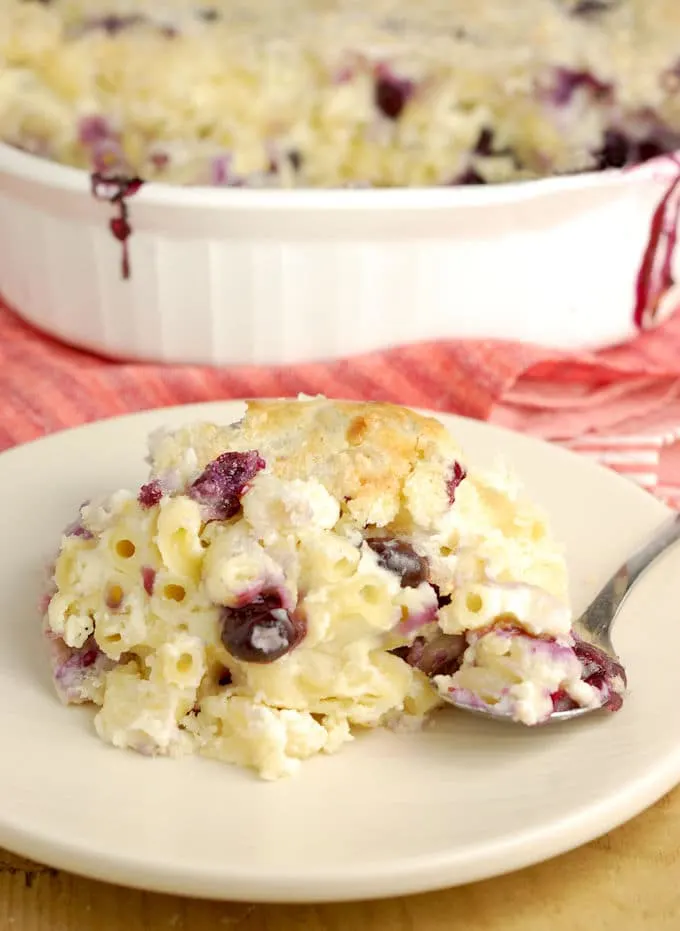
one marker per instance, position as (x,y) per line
(620,407)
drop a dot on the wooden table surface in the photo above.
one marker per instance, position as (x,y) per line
(626,881)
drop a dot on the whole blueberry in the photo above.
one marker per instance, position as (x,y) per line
(399,557)
(261,631)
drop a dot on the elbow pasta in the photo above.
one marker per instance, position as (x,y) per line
(481,604)
(122,629)
(358,607)
(68,620)
(180,662)
(289,579)
(77,567)
(326,559)
(130,548)
(178,537)
(235,565)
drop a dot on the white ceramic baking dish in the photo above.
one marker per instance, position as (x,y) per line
(237,276)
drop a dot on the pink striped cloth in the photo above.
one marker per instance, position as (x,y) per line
(620,407)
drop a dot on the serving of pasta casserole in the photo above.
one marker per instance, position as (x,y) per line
(317,568)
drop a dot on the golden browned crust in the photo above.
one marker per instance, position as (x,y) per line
(372,457)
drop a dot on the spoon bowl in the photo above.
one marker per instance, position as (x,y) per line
(593,628)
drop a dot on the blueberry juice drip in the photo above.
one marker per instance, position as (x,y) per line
(655,276)
(117,189)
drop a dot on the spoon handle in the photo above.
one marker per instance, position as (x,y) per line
(598,618)
(666,534)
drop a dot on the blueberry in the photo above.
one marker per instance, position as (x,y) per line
(593,7)
(440,656)
(113,24)
(399,557)
(615,151)
(442,600)
(391,95)
(456,476)
(648,149)
(620,150)
(223,481)
(261,631)
(150,494)
(469,176)
(295,159)
(484,144)
(597,663)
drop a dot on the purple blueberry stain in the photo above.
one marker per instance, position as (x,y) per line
(73,667)
(150,494)
(344,75)
(566,82)
(159,160)
(102,143)
(417,620)
(116,190)
(93,129)
(561,701)
(261,631)
(599,670)
(456,475)
(391,93)
(112,24)
(113,597)
(148,579)
(44,602)
(224,481)
(399,557)
(596,662)
(221,174)
(78,529)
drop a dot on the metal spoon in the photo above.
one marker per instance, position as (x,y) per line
(596,623)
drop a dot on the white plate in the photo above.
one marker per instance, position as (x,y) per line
(390,814)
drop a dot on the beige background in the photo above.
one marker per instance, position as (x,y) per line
(627,881)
